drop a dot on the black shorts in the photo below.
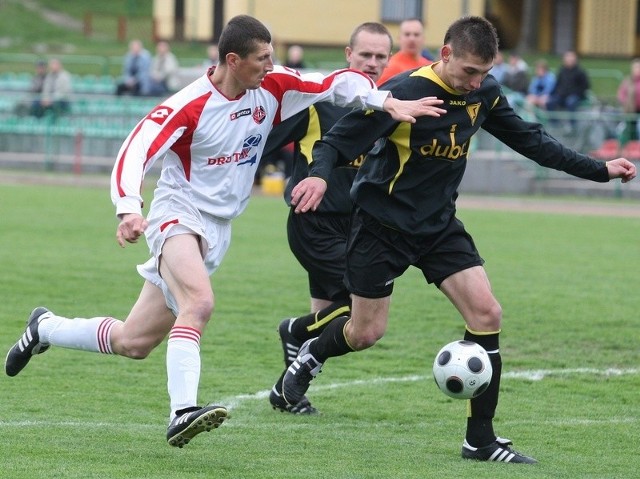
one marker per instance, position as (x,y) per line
(319,243)
(377,255)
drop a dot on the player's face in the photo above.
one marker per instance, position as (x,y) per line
(251,70)
(369,54)
(464,73)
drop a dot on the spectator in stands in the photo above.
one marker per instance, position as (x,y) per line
(295,58)
(516,80)
(135,70)
(409,55)
(499,67)
(629,98)
(56,91)
(163,72)
(571,88)
(212,56)
(516,76)
(37,81)
(541,85)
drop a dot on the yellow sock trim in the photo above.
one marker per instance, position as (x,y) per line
(346,340)
(482,333)
(330,317)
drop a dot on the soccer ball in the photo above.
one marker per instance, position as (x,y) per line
(462,369)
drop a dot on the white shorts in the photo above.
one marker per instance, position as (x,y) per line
(173,214)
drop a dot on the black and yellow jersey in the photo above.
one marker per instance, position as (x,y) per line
(409,180)
(304,129)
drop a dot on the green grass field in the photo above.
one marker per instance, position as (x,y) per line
(570,347)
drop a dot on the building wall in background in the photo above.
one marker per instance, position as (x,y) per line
(608,28)
(164,19)
(307,22)
(591,27)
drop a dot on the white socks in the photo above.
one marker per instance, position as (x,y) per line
(86,334)
(183,367)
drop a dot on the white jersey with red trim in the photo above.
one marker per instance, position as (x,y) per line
(210,146)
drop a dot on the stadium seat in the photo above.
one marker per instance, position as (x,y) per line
(607,151)
(631,150)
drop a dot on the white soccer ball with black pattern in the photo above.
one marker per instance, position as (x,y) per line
(462,369)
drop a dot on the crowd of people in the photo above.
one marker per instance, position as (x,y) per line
(566,89)
(143,74)
(563,90)
(146,74)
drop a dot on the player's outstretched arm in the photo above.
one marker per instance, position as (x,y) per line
(621,168)
(130,228)
(409,110)
(308,193)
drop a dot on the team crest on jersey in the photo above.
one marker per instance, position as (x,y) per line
(237,114)
(160,114)
(472,111)
(259,115)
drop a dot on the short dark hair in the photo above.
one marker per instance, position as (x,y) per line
(241,36)
(473,35)
(370,27)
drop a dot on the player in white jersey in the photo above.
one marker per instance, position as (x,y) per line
(209,138)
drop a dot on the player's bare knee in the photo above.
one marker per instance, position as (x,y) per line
(134,349)
(364,340)
(494,316)
(487,319)
(199,311)
(138,354)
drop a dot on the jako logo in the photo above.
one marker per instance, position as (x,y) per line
(160,114)
(244,157)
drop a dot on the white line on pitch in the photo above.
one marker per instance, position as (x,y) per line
(532,375)
(235,401)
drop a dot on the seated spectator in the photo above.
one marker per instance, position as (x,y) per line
(541,85)
(572,85)
(629,98)
(516,79)
(295,57)
(135,70)
(499,67)
(56,91)
(163,71)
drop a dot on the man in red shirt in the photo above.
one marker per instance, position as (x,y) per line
(410,54)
